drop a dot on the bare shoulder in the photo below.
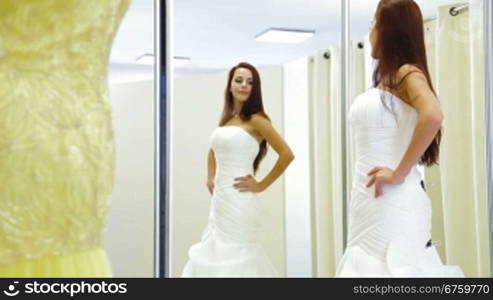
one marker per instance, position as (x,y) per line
(261,125)
(414,83)
(408,71)
(259,120)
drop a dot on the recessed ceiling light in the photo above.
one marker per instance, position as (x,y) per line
(180,61)
(279,35)
(146,59)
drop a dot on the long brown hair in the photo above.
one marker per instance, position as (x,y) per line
(400,41)
(253,105)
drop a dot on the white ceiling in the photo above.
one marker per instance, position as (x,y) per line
(220,33)
(134,38)
(217,34)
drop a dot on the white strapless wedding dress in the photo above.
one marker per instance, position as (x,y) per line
(229,246)
(387,236)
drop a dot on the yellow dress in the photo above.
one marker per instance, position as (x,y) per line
(56,141)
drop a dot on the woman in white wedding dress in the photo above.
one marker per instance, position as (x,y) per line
(229,246)
(395,126)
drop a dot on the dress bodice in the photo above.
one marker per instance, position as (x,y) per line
(56,139)
(235,150)
(382,127)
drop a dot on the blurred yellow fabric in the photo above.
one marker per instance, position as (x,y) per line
(56,140)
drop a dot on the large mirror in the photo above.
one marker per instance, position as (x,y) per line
(318,219)
(285,230)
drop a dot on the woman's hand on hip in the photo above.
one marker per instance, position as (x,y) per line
(210,185)
(381,176)
(247,183)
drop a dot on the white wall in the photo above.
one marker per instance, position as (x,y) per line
(129,238)
(196,108)
(297,187)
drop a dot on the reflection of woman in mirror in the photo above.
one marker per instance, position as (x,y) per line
(228,247)
(396,126)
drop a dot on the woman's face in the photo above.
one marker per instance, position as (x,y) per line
(373,39)
(241,84)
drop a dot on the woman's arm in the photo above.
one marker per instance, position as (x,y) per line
(211,170)
(264,127)
(418,94)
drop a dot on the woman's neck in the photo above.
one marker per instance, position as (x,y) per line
(237,106)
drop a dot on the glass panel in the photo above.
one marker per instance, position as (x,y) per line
(453,214)
(286,230)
